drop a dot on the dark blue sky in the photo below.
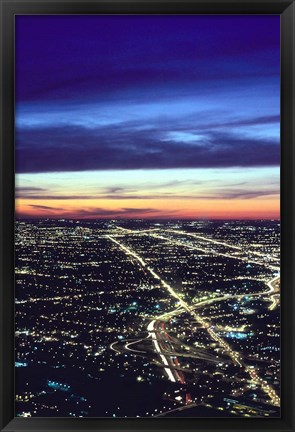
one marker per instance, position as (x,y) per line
(129,92)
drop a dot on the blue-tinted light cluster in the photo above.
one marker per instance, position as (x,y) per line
(21,364)
(58,386)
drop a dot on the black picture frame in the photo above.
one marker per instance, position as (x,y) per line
(8,10)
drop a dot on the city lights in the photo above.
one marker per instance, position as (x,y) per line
(168,308)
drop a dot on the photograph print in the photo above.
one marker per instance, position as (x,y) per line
(147,225)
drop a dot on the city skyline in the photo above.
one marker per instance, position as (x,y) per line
(125,117)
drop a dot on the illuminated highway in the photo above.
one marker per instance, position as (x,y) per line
(221,243)
(235,356)
(152,332)
(151,232)
(181,320)
(213,252)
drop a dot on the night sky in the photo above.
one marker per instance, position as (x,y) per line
(148,116)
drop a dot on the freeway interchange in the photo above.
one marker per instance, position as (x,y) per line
(164,346)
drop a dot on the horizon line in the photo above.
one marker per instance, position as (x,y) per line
(146,219)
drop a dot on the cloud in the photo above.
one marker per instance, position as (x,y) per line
(114,189)
(130,93)
(167,195)
(120,148)
(28,189)
(42,207)
(127,212)
(55,197)
(101,55)
(214,191)
(240,194)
